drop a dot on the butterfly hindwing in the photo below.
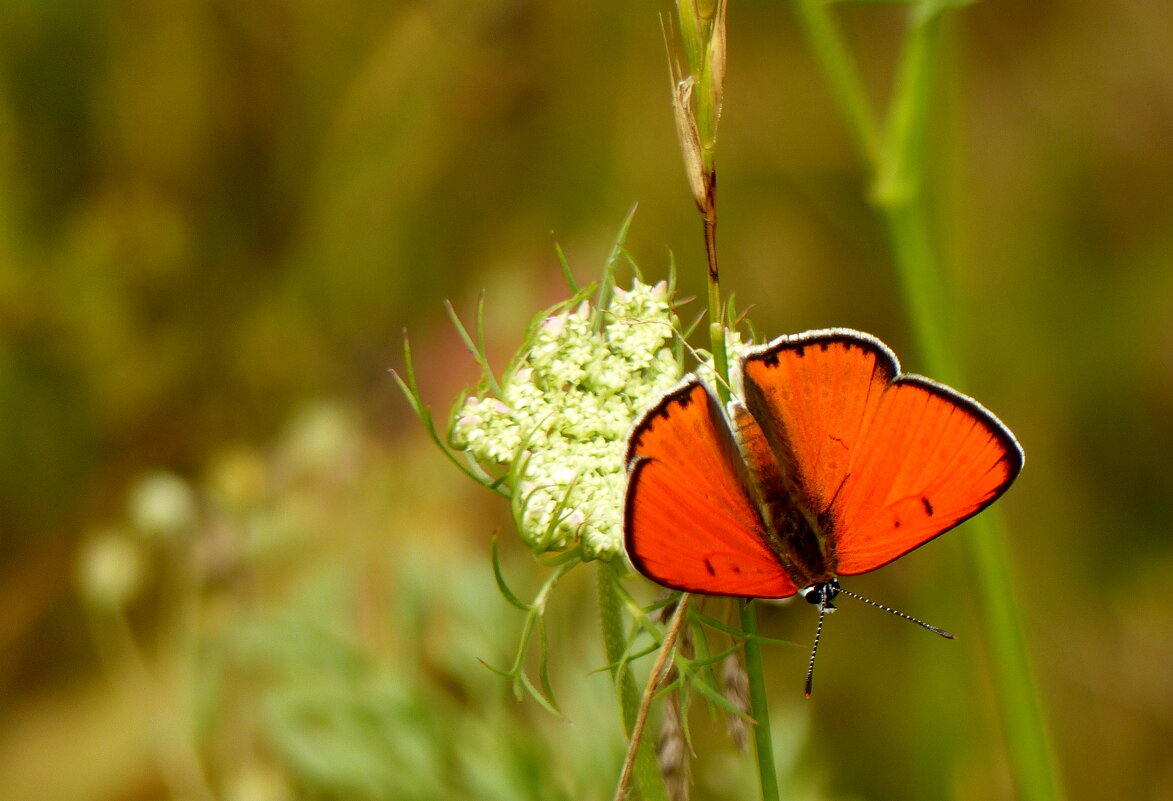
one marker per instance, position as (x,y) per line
(689,521)
(884,462)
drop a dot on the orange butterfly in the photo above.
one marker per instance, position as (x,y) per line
(835,464)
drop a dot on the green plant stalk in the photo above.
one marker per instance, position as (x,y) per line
(828,45)
(172,744)
(709,110)
(898,197)
(759,706)
(717,342)
(647,773)
(1026,731)
(901,200)
(763,741)
(1022,715)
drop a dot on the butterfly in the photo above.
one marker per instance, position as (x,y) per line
(834,463)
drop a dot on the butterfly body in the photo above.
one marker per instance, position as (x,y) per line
(833,463)
(794,533)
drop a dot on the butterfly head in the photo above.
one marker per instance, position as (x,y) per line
(822,594)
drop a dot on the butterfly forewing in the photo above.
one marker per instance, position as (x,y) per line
(689,521)
(885,462)
(815,394)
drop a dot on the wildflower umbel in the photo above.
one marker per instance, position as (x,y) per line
(561,421)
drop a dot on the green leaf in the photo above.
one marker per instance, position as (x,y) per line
(501,584)
(475,348)
(410,390)
(608,282)
(566,273)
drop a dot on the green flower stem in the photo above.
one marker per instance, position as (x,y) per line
(172,743)
(711,79)
(759,706)
(924,295)
(898,194)
(1026,730)
(717,343)
(763,741)
(899,198)
(828,45)
(647,773)
(1022,715)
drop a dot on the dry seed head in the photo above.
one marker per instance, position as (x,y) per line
(672,751)
(735,688)
(690,142)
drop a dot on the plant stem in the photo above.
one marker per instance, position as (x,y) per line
(1022,715)
(920,284)
(698,137)
(899,198)
(759,706)
(172,743)
(717,324)
(640,756)
(841,74)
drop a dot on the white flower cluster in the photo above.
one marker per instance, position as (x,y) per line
(564,413)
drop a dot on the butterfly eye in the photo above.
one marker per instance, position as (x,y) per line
(821,594)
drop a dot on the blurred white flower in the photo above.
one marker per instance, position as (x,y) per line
(110,569)
(162,505)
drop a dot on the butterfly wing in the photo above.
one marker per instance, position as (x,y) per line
(884,462)
(689,521)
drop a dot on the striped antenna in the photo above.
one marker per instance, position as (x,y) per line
(810,668)
(898,613)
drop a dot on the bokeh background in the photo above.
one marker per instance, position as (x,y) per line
(231,564)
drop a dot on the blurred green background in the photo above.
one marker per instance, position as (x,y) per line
(216,219)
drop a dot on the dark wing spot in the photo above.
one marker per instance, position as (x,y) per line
(895,524)
(928,506)
(736,569)
(709,567)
